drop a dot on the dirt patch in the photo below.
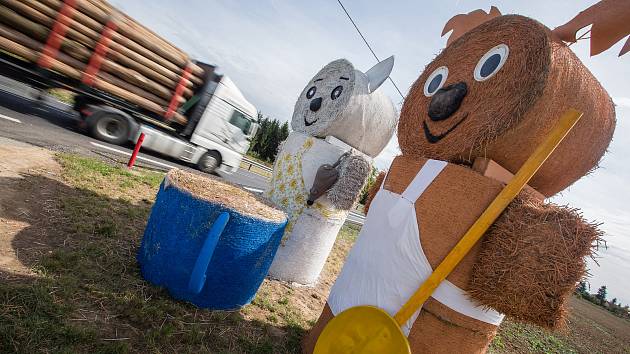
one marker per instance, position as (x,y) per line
(16,215)
(593,329)
(77,225)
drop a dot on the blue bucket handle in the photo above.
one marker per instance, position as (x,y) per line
(198,276)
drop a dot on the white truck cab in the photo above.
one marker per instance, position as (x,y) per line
(226,126)
(221,125)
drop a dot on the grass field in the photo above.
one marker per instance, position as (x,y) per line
(73,284)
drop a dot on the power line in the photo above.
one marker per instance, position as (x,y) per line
(368,45)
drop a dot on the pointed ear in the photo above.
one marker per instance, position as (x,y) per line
(379,73)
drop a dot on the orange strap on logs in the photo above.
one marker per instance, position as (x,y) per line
(100,52)
(57,34)
(179,90)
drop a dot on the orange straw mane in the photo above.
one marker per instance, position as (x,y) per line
(462,23)
(611,23)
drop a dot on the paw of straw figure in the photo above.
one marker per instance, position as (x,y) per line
(340,122)
(468,124)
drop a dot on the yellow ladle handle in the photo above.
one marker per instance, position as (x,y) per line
(476,231)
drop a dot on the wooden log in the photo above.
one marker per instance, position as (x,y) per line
(47,21)
(30,43)
(89,26)
(163,46)
(89,37)
(130,29)
(58,66)
(40,32)
(108,65)
(136,78)
(81,53)
(177,55)
(45,6)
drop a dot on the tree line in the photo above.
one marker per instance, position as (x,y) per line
(599,298)
(270,134)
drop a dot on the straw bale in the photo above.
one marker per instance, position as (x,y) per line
(507,116)
(366,121)
(221,192)
(531,259)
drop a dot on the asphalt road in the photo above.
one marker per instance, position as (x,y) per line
(54,125)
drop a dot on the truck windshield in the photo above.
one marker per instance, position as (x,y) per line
(241,121)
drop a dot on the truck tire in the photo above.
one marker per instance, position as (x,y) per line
(209,162)
(110,128)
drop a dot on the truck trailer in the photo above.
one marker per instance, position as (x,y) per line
(127,81)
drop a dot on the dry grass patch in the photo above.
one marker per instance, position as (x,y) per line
(88,295)
(85,225)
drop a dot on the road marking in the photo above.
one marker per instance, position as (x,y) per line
(252,189)
(10,119)
(246,173)
(129,154)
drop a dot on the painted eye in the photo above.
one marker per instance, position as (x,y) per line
(311,92)
(336,92)
(491,62)
(435,81)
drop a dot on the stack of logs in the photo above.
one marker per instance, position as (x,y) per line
(91,41)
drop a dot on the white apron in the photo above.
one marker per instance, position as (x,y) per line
(387,263)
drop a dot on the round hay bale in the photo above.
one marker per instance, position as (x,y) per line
(505,117)
(362,119)
(182,251)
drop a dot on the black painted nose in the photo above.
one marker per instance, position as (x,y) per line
(447,100)
(316,104)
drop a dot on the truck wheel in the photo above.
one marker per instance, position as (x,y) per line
(111,128)
(209,162)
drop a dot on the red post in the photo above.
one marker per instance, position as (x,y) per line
(132,159)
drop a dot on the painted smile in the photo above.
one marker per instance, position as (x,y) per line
(307,123)
(435,138)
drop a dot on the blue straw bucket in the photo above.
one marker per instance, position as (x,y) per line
(208,252)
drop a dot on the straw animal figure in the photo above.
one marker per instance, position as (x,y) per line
(340,122)
(467,125)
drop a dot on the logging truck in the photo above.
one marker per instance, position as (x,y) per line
(127,80)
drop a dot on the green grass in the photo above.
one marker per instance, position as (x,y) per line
(88,295)
(513,335)
(89,173)
(62,95)
(349,232)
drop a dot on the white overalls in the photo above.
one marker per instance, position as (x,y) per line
(387,263)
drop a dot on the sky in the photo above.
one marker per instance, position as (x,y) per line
(271,48)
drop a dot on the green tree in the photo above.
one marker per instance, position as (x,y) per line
(368,185)
(601,294)
(255,142)
(273,140)
(269,136)
(284,131)
(581,289)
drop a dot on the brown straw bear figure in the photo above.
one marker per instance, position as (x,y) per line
(469,122)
